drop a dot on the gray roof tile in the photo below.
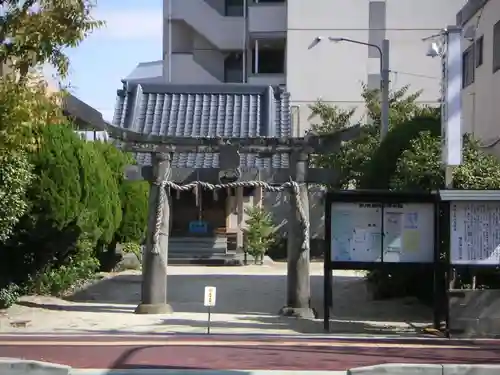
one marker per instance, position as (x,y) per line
(205,111)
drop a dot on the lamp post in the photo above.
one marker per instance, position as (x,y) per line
(448,49)
(384,78)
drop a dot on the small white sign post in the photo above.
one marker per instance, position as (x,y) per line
(209,302)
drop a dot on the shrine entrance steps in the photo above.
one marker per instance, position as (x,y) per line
(202,251)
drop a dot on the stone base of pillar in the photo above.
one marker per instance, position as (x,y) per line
(299,312)
(157,308)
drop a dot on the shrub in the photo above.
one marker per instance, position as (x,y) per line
(134,199)
(260,232)
(100,192)
(133,202)
(73,204)
(9,295)
(116,159)
(15,178)
(133,248)
(133,195)
(73,272)
(379,171)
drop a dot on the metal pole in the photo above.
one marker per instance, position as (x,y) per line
(384,77)
(245,42)
(169,58)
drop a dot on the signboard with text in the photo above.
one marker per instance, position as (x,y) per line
(475,233)
(389,233)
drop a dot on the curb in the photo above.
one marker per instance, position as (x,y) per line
(471,369)
(398,369)
(15,366)
(423,369)
(199,372)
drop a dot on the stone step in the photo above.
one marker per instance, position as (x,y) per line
(202,251)
(198,240)
(211,260)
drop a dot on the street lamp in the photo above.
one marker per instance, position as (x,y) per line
(447,46)
(384,78)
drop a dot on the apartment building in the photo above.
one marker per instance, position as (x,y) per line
(272,42)
(480,20)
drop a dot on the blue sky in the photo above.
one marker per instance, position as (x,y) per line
(133,34)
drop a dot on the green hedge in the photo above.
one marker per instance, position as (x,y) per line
(379,171)
(73,204)
(134,198)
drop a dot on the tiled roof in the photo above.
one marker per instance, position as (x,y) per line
(206,111)
(151,71)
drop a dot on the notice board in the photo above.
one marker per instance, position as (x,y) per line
(475,233)
(375,232)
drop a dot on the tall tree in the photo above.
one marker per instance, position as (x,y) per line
(354,155)
(34,32)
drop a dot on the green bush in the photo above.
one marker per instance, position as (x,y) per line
(379,171)
(134,198)
(9,295)
(100,192)
(74,204)
(133,248)
(260,232)
(15,178)
(73,272)
(133,195)
(133,202)
(116,159)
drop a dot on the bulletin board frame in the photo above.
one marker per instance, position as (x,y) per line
(382,197)
(454,270)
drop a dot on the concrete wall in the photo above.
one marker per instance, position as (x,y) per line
(481,111)
(334,71)
(194,59)
(475,313)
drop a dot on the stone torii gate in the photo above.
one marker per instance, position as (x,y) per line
(293,179)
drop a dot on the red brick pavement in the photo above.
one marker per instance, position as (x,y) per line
(205,352)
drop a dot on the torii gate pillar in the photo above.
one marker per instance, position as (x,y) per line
(155,263)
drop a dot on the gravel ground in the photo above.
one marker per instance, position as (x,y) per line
(248,299)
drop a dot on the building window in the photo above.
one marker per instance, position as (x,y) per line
(479,51)
(268,57)
(233,67)
(496,47)
(234,8)
(468,66)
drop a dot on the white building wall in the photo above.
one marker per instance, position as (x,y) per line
(334,72)
(480,100)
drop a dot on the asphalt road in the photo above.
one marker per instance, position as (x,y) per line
(242,352)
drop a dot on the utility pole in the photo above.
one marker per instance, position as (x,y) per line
(385,80)
(155,258)
(451,108)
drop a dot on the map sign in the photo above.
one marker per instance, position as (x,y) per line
(392,233)
(475,233)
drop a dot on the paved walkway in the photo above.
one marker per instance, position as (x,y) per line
(229,353)
(248,299)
